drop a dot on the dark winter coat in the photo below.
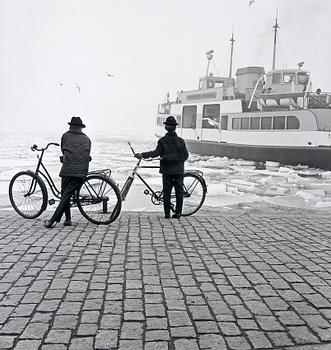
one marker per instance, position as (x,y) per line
(173,152)
(76,148)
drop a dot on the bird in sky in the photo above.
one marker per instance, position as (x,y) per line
(77,87)
(110,75)
(250,2)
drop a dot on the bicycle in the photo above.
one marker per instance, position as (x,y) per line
(98,198)
(194,188)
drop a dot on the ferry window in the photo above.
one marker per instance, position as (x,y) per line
(244,123)
(289,77)
(236,123)
(189,117)
(255,123)
(211,116)
(292,122)
(266,123)
(276,78)
(303,78)
(224,122)
(279,123)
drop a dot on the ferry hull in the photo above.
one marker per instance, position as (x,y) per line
(315,157)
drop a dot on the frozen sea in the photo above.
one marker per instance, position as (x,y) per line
(230,182)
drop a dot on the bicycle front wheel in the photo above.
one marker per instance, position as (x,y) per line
(194,193)
(28,194)
(99,200)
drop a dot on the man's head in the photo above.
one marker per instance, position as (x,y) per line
(170,123)
(76,123)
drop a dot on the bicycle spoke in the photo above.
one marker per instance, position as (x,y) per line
(194,193)
(99,200)
(28,195)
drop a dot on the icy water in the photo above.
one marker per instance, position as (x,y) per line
(230,182)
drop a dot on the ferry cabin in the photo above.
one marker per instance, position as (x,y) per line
(279,116)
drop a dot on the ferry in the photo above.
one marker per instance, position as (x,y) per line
(259,116)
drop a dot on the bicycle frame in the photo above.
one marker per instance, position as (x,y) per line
(46,175)
(127,185)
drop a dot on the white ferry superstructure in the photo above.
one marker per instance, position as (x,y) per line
(257,116)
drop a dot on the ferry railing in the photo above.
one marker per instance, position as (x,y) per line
(254,91)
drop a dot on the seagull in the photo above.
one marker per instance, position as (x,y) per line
(110,75)
(77,87)
(250,2)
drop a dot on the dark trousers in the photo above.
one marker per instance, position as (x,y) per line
(170,181)
(68,187)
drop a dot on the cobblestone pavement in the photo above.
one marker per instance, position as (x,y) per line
(247,278)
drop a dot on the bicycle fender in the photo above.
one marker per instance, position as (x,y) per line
(198,173)
(44,205)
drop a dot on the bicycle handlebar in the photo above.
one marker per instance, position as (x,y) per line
(35,147)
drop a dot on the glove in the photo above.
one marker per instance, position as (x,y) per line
(138,155)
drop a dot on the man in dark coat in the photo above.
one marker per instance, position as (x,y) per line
(173,152)
(76,148)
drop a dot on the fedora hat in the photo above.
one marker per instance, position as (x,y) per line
(76,121)
(171,121)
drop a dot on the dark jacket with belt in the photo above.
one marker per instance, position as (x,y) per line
(173,152)
(76,148)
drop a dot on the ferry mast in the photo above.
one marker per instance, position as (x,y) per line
(231,56)
(276,26)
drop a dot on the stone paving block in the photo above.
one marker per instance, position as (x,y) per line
(157,323)
(157,335)
(131,330)
(237,343)
(65,322)
(28,345)
(229,328)
(6,341)
(54,347)
(82,344)
(160,345)
(280,339)
(34,331)
(186,344)
(259,340)
(5,311)
(131,345)
(183,332)
(59,336)
(106,339)
(204,327)
(14,325)
(302,335)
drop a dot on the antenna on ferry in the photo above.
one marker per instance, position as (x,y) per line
(276,26)
(209,55)
(231,56)
(300,64)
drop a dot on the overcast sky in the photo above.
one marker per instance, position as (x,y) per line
(111,62)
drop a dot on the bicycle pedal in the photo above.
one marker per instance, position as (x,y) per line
(51,201)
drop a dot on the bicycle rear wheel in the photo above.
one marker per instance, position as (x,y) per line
(28,194)
(99,200)
(194,194)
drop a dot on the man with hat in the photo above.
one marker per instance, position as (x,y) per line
(76,148)
(173,152)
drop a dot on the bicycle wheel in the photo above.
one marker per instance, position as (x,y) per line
(99,200)
(28,194)
(194,194)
